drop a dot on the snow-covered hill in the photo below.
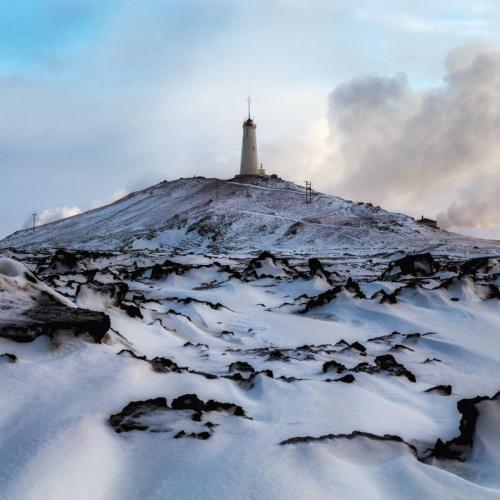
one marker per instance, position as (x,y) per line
(178,366)
(200,215)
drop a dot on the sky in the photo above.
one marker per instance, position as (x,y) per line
(394,102)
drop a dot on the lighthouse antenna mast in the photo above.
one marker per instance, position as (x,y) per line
(249,101)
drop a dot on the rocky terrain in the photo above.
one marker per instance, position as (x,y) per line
(241,217)
(157,374)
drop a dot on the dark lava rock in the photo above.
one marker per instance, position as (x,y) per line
(164,365)
(431,360)
(188,402)
(443,390)
(458,447)
(359,347)
(161,271)
(132,354)
(388,363)
(212,405)
(257,262)
(493,292)
(53,318)
(333,365)
(341,343)
(353,287)
(129,418)
(200,435)
(400,347)
(479,265)
(347,379)
(208,376)
(352,435)
(414,265)
(64,261)
(386,338)
(322,299)
(316,269)
(386,298)
(10,358)
(203,435)
(277,355)
(132,310)
(331,294)
(188,300)
(158,364)
(199,344)
(241,366)
(126,420)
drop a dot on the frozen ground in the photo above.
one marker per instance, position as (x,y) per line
(239,217)
(223,378)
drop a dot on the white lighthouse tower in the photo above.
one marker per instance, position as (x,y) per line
(249,161)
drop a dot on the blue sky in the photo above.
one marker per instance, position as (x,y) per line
(100,98)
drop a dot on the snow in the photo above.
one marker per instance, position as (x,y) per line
(331,374)
(57,441)
(11,268)
(223,217)
(20,291)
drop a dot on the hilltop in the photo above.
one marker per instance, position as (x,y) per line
(242,216)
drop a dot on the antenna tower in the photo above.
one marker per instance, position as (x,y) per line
(308,192)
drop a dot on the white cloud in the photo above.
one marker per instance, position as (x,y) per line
(53,214)
(433,151)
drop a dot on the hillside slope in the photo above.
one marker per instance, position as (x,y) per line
(239,217)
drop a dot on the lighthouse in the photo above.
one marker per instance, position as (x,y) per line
(249,160)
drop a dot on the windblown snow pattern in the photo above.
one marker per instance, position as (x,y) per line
(263,378)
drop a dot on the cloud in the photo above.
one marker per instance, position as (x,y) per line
(431,24)
(116,195)
(52,214)
(430,151)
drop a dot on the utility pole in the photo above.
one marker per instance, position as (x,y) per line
(308,192)
(34,220)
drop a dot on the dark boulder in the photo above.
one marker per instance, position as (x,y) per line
(188,402)
(387,363)
(413,265)
(333,365)
(9,358)
(241,366)
(54,318)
